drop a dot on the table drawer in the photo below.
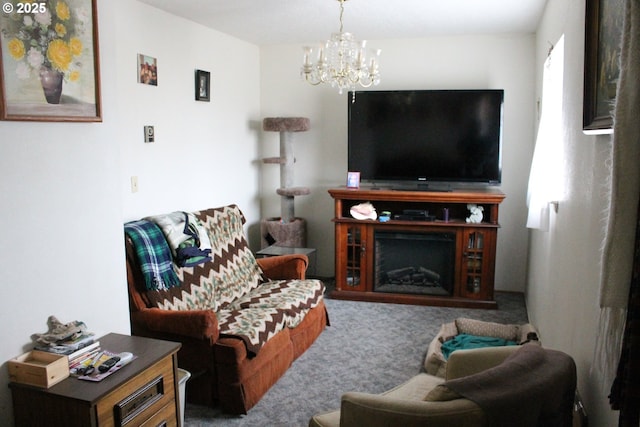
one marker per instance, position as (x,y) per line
(165,418)
(141,398)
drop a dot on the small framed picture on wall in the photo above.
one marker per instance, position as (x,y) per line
(147,70)
(203,85)
(353,179)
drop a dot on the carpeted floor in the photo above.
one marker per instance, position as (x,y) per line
(369,347)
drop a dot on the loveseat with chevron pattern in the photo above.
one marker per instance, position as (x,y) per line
(241,321)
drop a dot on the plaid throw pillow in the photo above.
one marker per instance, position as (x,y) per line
(154,255)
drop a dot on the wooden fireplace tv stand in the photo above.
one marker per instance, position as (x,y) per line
(410,259)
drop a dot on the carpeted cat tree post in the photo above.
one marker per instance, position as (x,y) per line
(287,230)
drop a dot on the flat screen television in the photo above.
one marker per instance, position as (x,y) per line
(421,137)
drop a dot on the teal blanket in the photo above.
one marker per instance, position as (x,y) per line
(464,341)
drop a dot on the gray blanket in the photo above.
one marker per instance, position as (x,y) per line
(534,387)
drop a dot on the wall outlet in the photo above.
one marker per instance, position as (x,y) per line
(149,134)
(134,184)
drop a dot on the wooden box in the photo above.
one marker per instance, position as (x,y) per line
(39,368)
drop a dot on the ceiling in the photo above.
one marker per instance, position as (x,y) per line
(268,22)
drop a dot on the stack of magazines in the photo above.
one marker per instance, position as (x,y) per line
(77,350)
(68,346)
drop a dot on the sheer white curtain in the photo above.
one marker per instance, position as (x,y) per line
(545,177)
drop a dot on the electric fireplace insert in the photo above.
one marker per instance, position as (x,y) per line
(414,263)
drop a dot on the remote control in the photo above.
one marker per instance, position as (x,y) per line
(108,364)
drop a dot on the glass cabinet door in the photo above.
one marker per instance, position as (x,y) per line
(350,271)
(473,264)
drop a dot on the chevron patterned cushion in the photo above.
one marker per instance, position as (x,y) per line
(196,292)
(235,270)
(268,309)
(232,273)
(294,297)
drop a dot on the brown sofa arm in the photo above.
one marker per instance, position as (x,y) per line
(199,324)
(292,266)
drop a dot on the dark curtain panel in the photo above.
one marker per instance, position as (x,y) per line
(625,392)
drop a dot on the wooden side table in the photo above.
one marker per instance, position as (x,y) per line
(143,392)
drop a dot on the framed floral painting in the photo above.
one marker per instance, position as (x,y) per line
(49,62)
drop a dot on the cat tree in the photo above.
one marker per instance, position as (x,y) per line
(287,230)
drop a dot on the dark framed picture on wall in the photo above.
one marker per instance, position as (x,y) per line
(49,61)
(203,85)
(603,31)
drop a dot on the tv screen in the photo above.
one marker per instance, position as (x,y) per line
(423,136)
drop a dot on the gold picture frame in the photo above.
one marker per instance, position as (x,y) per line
(49,61)
(603,31)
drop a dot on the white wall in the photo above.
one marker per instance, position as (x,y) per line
(495,62)
(61,250)
(66,190)
(563,279)
(204,154)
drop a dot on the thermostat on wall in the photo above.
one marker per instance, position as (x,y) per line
(149,135)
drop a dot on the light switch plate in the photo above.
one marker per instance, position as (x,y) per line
(134,184)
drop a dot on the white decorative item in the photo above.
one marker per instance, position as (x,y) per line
(476,213)
(364,211)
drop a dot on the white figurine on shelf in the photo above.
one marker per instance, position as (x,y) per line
(476,213)
(363,211)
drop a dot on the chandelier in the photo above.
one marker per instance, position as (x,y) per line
(342,62)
